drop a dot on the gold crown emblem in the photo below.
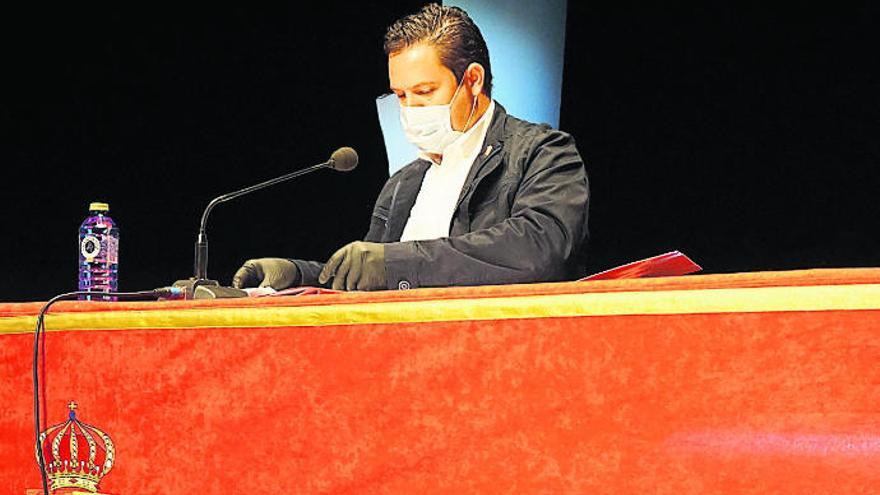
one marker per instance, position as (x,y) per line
(77,455)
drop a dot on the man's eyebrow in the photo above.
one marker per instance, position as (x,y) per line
(414,86)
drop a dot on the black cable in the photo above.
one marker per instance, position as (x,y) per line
(40,330)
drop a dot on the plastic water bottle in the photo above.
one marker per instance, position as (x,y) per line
(98,252)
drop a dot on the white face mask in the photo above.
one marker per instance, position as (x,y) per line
(430,127)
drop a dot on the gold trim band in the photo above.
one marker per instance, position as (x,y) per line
(750,300)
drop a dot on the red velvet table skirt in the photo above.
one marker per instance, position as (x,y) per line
(746,383)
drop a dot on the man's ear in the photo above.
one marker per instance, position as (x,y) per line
(476,77)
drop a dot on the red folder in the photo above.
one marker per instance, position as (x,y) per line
(668,264)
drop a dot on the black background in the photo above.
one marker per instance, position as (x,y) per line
(745,136)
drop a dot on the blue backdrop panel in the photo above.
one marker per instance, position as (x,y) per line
(400,151)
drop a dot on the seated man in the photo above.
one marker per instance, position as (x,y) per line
(491,199)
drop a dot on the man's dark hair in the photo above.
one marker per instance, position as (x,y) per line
(451,31)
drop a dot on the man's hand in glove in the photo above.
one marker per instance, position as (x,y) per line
(277,273)
(356,266)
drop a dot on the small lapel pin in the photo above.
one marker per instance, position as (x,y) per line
(488,150)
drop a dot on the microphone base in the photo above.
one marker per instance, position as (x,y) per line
(190,285)
(212,292)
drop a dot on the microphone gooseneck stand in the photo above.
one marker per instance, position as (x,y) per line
(343,160)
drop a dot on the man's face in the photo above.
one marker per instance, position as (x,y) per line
(418,78)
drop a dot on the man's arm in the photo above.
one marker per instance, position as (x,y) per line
(546,229)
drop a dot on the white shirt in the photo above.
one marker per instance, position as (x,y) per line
(431,215)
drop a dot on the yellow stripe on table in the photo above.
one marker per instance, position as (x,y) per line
(748,300)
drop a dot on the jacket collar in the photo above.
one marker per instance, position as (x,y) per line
(498,126)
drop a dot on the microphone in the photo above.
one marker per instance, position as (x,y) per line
(344,159)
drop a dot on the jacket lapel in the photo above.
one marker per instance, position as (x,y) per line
(403,199)
(489,158)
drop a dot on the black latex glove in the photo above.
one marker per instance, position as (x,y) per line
(356,266)
(277,273)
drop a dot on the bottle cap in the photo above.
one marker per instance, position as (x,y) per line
(99,207)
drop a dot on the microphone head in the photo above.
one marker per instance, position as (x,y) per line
(343,159)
